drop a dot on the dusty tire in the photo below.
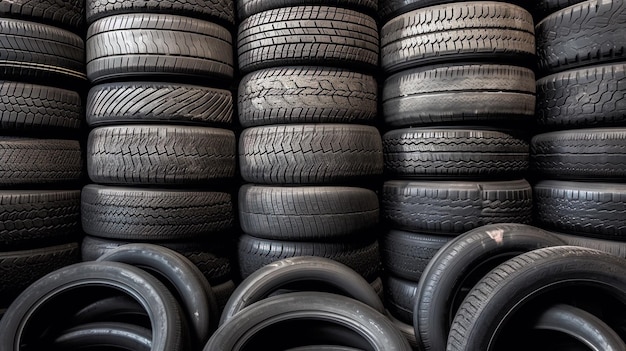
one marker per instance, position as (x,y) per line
(247,8)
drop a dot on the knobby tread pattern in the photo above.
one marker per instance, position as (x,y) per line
(589,209)
(223,10)
(160,154)
(154,214)
(30,106)
(38,161)
(116,103)
(247,8)
(307,35)
(452,208)
(310,153)
(588,33)
(306,213)
(306,95)
(458,93)
(157,45)
(419,153)
(586,97)
(400,297)
(598,153)
(464,30)
(254,253)
(543,8)
(35,51)
(61,13)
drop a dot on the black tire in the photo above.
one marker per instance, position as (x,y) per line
(247,8)
(517,285)
(586,97)
(321,213)
(160,154)
(406,254)
(583,154)
(215,10)
(120,336)
(39,161)
(310,153)
(589,33)
(452,208)
(437,34)
(254,253)
(307,35)
(115,308)
(454,153)
(307,95)
(203,49)
(35,218)
(393,8)
(289,313)
(320,272)
(407,330)
(136,102)
(400,295)
(457,94)
(36,107)
(66,14)
(617,248)
(154,214)
(459,265)
(42,53)
(589,209)
(544,8)
(222,293)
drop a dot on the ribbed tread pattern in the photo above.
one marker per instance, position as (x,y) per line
(307,35)
(38,161)
(158,102)
(67,14)
(419,153)
(306,95)
(446,207)
(157,45)
(310,153)
(160,154)
(247,8)
(154,214)
(544,8)
(458,93)
(464,30)
(588,33)
(400,297)
(306,213)
(587,97)
(581,154)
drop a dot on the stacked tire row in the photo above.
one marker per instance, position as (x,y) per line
(160,149)
(580,158)
(42,71)
(456,89)
(307,102)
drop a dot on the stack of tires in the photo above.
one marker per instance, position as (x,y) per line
(42,71)
(309,151)
(581,156)
(161,150)
(455,97)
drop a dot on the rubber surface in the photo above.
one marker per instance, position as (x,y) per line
(617,248)
(544,8)
(247,8)
(65,14)
(400,297)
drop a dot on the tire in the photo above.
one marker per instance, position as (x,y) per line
(585,97)
(35,218)
(118,308)
(320,213)
(389,9)
(467,31)
(406,330)
(457,94)
(453,208)
(111,335)
(514,286)
(31,107)
(284,312)
(617,248)
(204,50)
(307,95)
(584,154)
(222,293)
(26,161)
(247,8)
(64,14)
(136,102)
(460,264)
(160,154)
(406,254)
(310,154)
(154,214)
(590,33)
(544,8)
(307,35)
(454,153)
(254,253)
(589,209)
(37,52)
(400,298)
(319,272)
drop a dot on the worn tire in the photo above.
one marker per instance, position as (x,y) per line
(247,8)
(104,334)
(544,8)
(65,14)
(400,297)
(617,248)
